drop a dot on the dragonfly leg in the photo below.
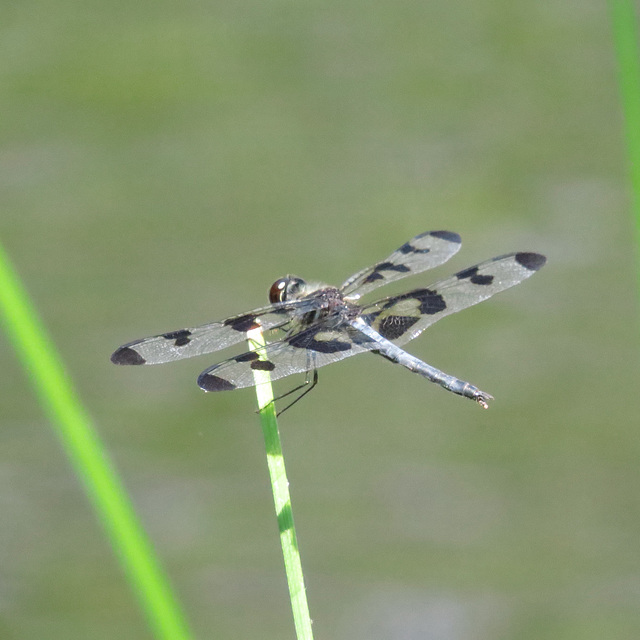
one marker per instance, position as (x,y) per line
(308,384)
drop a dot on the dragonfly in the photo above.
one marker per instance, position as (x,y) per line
(318,324)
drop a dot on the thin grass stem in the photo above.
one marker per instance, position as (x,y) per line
(281,497)
(88,456)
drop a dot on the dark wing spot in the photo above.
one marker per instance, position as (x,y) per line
(181,337)
(328,346)
(372,277)
(209,382)
(392,327)
(263,365)
(306,340)
(242,323)
(531,261)
(472,275)
(127,355)
(482,280)
(467,273)
(407,247)
(390,266)
(450,236)
(246,357)
(430,302)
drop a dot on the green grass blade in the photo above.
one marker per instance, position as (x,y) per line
(624,20)
(281,498)
(89,458)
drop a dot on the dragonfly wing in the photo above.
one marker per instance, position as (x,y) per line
(307,350)
(403,317)
(425,251)
(186,343)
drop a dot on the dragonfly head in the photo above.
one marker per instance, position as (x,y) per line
(287,289)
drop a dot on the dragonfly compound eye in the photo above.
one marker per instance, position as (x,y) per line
(277,292)
(286,289)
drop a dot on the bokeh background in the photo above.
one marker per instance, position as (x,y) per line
(163,163)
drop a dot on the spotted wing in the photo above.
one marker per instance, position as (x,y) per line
(186,343)
(425,251)
(403,317)
(310,349)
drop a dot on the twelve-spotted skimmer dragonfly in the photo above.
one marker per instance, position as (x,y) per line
(324,324)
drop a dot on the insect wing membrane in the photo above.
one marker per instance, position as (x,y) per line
(403,317)
(187,343)
(301,352)
(425,251)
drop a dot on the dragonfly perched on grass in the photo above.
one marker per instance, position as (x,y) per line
(320,324)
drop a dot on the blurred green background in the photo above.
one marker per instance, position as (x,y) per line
(163,163)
